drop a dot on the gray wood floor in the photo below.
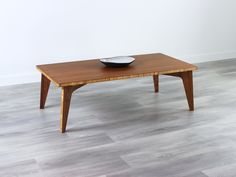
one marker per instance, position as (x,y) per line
(124,129)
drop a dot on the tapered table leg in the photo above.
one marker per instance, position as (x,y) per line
(188,86)
(156,83)
(65,105)
(187,78)
(45,83)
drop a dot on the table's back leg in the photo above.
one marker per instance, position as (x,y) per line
(65,105)
(156,83)
(45,83)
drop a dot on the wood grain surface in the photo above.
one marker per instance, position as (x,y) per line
(90,71)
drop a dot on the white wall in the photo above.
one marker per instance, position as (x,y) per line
(46,31)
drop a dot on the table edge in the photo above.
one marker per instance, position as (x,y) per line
(194,68)
(42,72)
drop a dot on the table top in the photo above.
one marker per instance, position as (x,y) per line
(90,71)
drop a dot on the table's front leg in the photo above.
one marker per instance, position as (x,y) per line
(65,105)
(187,78)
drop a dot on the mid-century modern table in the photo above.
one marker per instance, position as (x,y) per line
(73,75)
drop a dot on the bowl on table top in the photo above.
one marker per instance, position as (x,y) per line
(122,61)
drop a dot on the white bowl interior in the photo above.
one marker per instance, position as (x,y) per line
(121,59)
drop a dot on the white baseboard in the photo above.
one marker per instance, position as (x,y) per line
(35,77)
(15,79)
(210,57)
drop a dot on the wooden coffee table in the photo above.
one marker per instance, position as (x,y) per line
(72,75)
